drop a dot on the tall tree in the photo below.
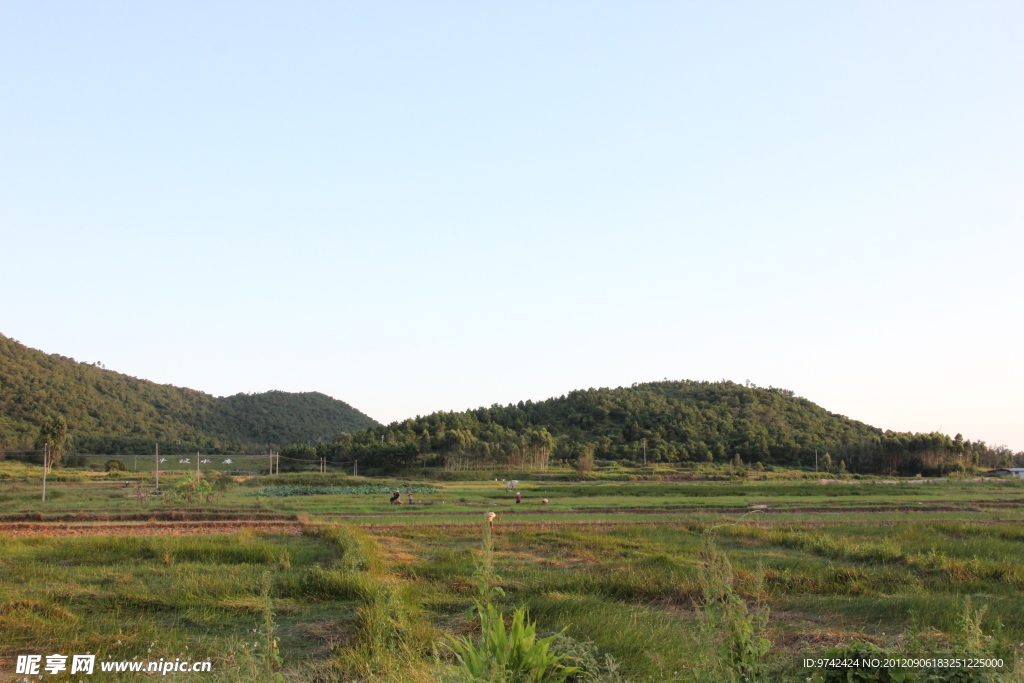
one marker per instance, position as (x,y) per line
(53,437)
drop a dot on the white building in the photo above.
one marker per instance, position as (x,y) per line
(1012,471)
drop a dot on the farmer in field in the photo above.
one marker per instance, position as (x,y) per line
(409,494)
(490,520)
(519,497)
(396,499)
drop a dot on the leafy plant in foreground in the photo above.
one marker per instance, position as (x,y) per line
(499,656)
(513,656)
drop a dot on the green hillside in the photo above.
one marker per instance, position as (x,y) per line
(677,421)
(674,422)
(108,412)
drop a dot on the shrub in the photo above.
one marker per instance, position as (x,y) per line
(194,487)
(222,480)
(585,458)
(584,655)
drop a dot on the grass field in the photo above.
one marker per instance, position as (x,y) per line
(352,588)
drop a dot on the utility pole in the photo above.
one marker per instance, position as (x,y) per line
(270,462)
(136,465)
(815,459)
(197,465)
(156,461)
(355,468)
(645,452)
(46,462)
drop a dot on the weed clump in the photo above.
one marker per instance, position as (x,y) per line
(499,656)
(585,656)
(728,619)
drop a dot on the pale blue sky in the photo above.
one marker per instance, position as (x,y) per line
(425,206)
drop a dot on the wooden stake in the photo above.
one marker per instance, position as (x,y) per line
(46,460)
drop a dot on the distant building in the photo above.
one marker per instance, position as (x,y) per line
(1012,471)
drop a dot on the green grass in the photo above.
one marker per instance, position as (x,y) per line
(369,591)
(363,490)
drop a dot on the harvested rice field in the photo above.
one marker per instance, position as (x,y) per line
(310,578)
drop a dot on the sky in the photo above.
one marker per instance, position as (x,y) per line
(417,206)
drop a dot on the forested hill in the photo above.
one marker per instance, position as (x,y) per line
(108,412)
(678,421)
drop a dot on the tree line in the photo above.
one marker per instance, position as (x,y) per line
(668,422)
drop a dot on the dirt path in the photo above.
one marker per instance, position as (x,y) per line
(239,515)
(149,529)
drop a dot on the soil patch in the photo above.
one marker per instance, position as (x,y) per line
(149,529)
